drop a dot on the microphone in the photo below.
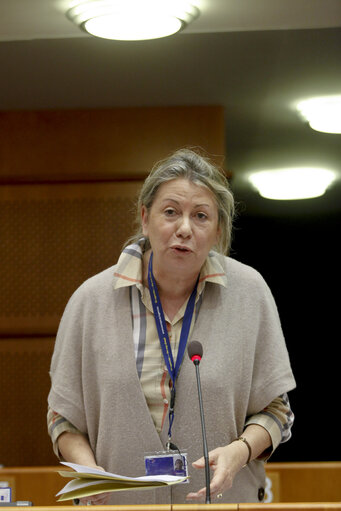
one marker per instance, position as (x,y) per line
(195,352)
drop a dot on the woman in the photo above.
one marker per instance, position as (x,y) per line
(111,380)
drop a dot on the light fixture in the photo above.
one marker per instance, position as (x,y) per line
(132,20)
(292,183)
(323,113)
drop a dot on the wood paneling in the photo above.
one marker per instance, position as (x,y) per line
(24,384)
(294,506)
(306,482)
(68,184)
(102,144)
(40,485)
(307,506)
(56,236)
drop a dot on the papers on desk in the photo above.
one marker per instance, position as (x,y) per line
(90,481)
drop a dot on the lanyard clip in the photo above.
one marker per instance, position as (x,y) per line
(170,446)
(172,400)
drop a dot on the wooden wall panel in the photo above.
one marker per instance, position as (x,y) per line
(54,237)
(24,384)
(102,144)
(68,184)
(307,481)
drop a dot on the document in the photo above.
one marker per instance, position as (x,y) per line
(88,481)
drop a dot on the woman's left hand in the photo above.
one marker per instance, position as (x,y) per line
(225,463)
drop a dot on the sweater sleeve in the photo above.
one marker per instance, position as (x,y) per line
(271,373)
(66,392)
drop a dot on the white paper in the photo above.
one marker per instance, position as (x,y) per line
(88,470)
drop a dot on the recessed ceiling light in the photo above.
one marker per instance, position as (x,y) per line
(323,113)
(132,20)
(292,183)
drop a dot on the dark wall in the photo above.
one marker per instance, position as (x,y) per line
(299,258)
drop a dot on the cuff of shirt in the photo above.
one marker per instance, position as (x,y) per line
(56,426)
(271,426)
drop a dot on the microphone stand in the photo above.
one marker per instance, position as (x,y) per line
(203,429)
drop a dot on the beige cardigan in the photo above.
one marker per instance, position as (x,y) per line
(96,387)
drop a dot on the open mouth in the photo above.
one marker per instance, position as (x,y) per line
(182,250)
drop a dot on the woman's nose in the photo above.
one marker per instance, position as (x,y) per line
(184,227)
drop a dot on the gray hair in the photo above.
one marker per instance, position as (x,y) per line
(187,164)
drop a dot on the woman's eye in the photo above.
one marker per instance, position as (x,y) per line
(169,212)
(201,216)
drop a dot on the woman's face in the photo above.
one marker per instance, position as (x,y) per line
(182,225)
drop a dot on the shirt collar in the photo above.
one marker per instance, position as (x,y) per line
(128,271)
(129,266)
(212,271)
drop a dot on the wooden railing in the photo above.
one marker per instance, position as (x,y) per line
(294,506)
(304,482)
(287,483)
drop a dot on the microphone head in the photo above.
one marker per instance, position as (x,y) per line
(195,351)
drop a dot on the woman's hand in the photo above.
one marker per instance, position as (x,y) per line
(76,449)
(225,463)
(100,499)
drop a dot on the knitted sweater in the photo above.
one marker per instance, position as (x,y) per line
(96,387)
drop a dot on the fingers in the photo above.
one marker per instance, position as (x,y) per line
(212,455)
(222,475)
(101,499)
(95,500)
(217,486)
(200,463)
(200,496)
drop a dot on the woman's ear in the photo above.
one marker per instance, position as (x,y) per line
(144,220)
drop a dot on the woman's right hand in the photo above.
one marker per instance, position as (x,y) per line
(100,499)
(76,449)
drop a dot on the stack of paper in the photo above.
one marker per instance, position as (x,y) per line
(90,481)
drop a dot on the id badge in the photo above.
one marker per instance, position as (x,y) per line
(170,463)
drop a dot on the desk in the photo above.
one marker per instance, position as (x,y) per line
(305,482)
(290,482)
(293,506)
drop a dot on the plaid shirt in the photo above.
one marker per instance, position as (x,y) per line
(277,418)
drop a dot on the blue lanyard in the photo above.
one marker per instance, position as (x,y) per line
(173,370)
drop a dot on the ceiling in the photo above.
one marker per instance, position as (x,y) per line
(256,58)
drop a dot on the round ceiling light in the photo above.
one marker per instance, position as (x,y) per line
(132,20)
(292,183)
(323,113)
